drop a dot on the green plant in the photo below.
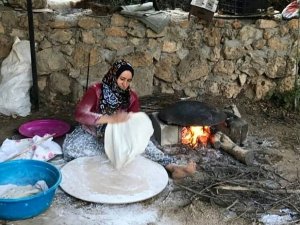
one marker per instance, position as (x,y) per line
(287,99)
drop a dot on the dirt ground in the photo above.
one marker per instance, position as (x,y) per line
(270,126)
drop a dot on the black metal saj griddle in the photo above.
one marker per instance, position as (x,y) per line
(191,113)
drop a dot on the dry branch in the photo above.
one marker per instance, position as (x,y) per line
(240,188)
(259,190)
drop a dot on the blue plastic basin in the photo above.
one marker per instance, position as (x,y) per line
(25,172)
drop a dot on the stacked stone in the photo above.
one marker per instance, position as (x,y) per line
(225,57)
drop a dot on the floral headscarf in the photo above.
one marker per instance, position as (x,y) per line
(113,97)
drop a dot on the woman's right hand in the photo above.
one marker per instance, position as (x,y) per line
(117,117)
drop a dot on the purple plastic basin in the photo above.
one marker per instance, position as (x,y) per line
(44,126)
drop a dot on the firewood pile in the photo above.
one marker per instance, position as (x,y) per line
(248,191)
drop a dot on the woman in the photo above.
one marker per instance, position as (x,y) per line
(110,102)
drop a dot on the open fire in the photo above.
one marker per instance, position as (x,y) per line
(196,124)
(195,136)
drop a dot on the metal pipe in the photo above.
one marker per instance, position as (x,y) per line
(34,92)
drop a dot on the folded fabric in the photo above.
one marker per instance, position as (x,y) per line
(155,20)
(38,148)
(124,141)
(19,191)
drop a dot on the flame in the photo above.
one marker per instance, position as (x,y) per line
(195,135)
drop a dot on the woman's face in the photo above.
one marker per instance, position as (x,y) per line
(124,79)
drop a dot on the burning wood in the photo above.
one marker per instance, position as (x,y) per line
(195,135)
(233,149)
(215,140)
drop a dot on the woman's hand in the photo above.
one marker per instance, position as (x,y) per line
(118,117)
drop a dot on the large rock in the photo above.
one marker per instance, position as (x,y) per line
(264,87)
(143,80)
(60,36)
(193,67)
(165,71)
(5,46)
(233,49)
(50,60)
(60,83)
(249,34)
(276,67)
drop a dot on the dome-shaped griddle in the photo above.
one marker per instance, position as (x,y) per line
(191,113)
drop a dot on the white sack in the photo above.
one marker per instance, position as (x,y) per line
(124,141)
(16,80)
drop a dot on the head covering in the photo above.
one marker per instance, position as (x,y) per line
(113,97)
(123,67)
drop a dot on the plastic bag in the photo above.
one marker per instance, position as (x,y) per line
(291,10)
(124,141)
(16,80)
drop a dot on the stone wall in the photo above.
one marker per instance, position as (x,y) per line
(252,58)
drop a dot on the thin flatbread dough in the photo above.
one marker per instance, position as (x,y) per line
(124,141)
(93,179)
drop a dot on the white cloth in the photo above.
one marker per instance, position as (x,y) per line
(33,148)
(18,191)
(124,141)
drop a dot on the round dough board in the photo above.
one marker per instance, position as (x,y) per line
(93,179)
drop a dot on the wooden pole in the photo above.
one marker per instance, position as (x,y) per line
(88,72)
(34,93)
